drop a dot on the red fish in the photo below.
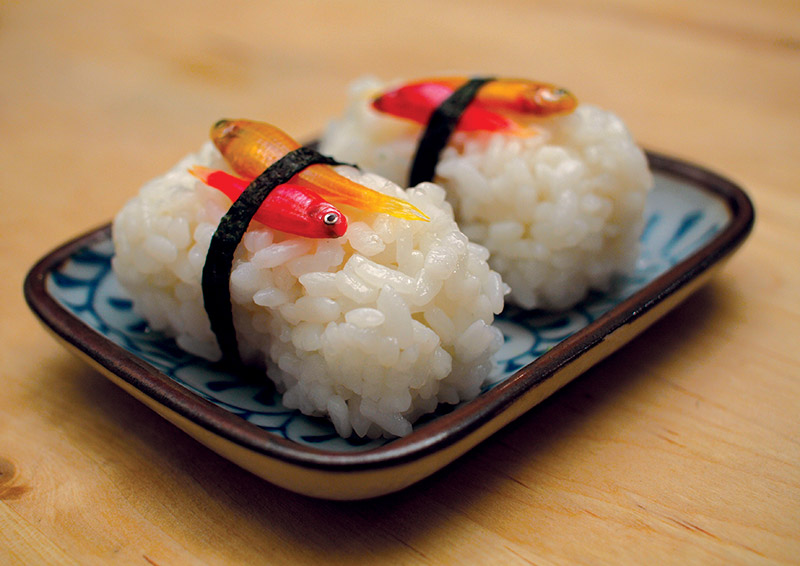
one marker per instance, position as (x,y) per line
(249,147)
(289,208)
(417,100)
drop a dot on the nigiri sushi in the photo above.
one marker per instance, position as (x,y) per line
(371,329)
(553,188)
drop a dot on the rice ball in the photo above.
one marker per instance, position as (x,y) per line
(560,211)
(371,330)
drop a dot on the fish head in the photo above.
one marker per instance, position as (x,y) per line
(223,132)
(329,219)
(546,100)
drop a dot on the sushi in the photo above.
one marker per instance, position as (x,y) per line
(553,188)
(370,324)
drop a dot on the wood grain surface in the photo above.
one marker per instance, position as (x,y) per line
(684,447)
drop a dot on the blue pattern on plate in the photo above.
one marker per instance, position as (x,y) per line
(677,223)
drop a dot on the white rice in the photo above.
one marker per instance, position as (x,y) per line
(371,330)
(561,212)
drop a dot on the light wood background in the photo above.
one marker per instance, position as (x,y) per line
(682,447)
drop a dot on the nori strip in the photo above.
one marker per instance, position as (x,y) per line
(230,231)
(440,127)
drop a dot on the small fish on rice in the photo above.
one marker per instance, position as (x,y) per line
(371,329)
(289,208)
(553,188)
(249,147)
(418,99)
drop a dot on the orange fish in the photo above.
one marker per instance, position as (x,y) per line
(250,147)
(417,100)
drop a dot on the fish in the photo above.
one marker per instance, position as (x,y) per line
(523,96)
(290,208)
(249,147)
(417,100)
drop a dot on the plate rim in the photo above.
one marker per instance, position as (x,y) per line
(443,432)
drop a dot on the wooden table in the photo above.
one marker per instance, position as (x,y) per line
(684,446)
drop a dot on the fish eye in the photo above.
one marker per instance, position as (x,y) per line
(551,95)
(330,219)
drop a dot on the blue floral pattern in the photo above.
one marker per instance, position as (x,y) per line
(679,221)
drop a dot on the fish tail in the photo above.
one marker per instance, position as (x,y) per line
(200,172)
(401,209)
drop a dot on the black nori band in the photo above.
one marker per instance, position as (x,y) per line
(231,229)
(440,127)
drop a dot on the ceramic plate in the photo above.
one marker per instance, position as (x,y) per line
(695,219)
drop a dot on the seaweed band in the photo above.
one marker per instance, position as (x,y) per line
(440,127)
(230,231)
